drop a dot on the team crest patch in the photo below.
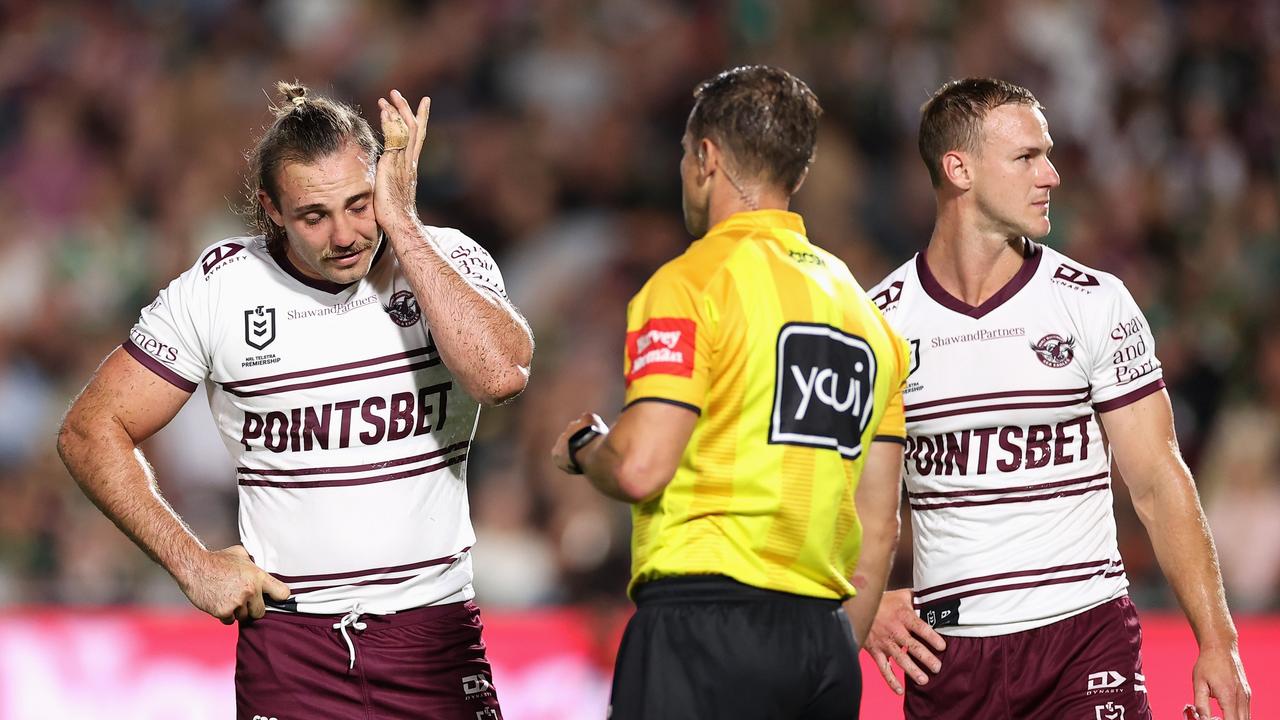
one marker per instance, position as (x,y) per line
(403,309)
(1055,351)
(662,346)
(260,327)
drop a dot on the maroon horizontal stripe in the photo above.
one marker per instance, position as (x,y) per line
(1014,586)
(993,396)
(993,408)
(356,468)
(379,581)
(997,491)
(157,367)
(354,481)
(371,571)
(1130,397)
(329,368)
(338,380)
(1003,501)
(1116,573)
(1013,574)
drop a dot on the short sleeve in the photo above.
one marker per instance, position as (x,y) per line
(893,424)
(668,343)
(167,338)
(471,260)
(1124,365)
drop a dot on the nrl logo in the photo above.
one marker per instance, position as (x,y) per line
(403,309)
(259,327)
(1055,351)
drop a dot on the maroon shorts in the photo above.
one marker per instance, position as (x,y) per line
(423,663)
(1087,667)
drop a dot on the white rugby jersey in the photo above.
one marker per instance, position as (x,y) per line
(1007,474)
(349,434)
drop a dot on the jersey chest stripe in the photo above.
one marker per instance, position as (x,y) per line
(431,362)
(330,368)
(307,484)
(992,408)
(371,571)
(1004,501)
(994,396)
(1018,586)
(1013,489)
(337,469)
(1017,573)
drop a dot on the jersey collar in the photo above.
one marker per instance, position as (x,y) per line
(933,288)
(760,219)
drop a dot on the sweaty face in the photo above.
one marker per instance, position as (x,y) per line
(695,198)
(326,209)
(1012,172)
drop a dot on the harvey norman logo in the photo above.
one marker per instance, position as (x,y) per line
(825,389)
(662,346)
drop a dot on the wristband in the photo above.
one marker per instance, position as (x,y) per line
(577,441)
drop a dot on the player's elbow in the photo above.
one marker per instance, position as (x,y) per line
(73,435)
(505,385)
(640,480)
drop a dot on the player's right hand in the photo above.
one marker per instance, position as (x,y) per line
(898,633)
(229,586)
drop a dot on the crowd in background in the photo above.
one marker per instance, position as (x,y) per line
(554,142)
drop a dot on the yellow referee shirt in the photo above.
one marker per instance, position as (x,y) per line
(793,371)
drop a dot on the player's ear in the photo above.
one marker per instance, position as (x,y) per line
(708,156)
(956,169)
(272,211)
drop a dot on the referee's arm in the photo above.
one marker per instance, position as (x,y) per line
(877,501)
(635,459)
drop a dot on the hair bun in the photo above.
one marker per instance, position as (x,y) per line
(293,92)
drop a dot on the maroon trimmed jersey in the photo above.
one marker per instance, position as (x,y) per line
(1008,476)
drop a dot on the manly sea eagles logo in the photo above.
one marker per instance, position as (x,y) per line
(259,327)
(1055,351)
(403,309)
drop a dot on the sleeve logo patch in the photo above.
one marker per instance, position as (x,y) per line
(662,346)
(217,255)
(1075,276)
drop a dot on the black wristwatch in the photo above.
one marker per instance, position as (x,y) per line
(579,440)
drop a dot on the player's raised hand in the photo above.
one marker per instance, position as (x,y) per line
(897,633)
(396,184)
(229,586)
(1219,674)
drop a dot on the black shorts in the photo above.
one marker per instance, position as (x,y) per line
(709,647)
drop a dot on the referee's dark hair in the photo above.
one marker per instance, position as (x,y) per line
(952,118)
(307,127)
(765,118)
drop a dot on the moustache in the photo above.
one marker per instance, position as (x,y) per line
(329,255)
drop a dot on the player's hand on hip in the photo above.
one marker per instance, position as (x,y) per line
(1219,674)
(396,184)
(560,451)
(229,586)
(899,634)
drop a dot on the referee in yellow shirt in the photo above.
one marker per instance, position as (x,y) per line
(761,443)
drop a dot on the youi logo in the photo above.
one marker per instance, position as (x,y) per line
(825,388)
